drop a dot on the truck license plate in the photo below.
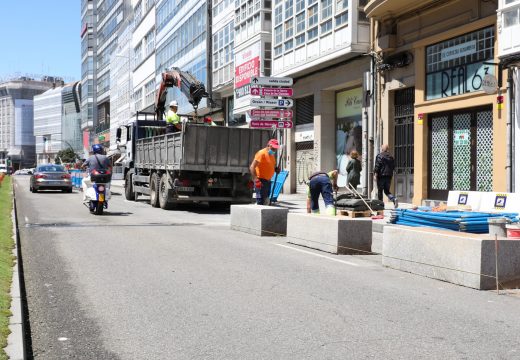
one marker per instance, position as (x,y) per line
(185,188)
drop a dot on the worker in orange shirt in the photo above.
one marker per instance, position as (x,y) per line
(262,170)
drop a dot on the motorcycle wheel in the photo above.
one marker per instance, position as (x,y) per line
(99,208)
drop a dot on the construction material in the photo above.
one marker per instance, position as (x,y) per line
(458,258)
(358,214)
(337,235)
(473,222)
(259,220)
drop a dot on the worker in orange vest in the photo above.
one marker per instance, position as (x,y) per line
(262,170)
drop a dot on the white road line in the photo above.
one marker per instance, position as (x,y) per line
(26,219)
(319,255)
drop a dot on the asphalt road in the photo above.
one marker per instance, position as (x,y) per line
(143,283)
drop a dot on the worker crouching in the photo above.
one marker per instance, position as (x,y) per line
(322,183)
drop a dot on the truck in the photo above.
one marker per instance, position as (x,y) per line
(199,164)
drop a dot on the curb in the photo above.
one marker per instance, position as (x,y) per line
(15,348)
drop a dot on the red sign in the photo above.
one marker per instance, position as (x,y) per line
(272,91)
(245,71)
(280,114)
(271,124)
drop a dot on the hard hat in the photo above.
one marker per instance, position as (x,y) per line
(97,148)
(173,103)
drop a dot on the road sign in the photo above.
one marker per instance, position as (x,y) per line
(280,114)
(272,81)
(272,91)
(281,103)
(271,124)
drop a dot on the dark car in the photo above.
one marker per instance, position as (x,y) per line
(50,177)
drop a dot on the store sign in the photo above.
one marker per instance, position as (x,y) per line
(349,103)
(457,80)
(461,137)
(458,51)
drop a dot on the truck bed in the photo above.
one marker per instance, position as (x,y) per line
(202,148)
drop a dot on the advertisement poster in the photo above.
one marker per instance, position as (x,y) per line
(247,65)
(349,131)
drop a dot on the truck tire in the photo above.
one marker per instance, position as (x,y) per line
(163,193)
(154,190)
(129,186)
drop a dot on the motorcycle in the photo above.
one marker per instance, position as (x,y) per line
(98,194)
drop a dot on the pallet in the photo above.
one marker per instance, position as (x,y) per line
(359,214)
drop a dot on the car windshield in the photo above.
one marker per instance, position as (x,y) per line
(51,168)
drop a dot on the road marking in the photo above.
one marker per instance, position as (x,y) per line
(319,255)
(26,219)
(63,339)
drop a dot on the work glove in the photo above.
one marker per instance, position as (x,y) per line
(258,183)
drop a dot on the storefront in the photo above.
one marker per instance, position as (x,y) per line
(459,129)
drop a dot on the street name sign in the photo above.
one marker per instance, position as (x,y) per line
(271,91)
(271,124)
(280,103)
(280,114)
(271,81)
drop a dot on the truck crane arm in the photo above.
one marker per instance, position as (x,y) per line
(193,89)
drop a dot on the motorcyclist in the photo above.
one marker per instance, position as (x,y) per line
(97,161)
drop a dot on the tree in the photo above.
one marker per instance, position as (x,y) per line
(66,156)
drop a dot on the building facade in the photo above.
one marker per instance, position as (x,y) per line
(446,132)
(509,54)
(17,141)
(57,122)
(322,45)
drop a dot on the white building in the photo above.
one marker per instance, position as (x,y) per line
(321,44)
(180,29)
(47,125)
(509,53)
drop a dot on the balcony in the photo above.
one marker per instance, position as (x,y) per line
(384,9)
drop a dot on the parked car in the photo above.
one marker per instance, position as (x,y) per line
(3,168)
(50,177)
(23,172)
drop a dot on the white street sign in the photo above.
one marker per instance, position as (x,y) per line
(280,114)
(272,81)
(279,103)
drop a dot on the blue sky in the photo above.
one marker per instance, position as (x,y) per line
(40,37)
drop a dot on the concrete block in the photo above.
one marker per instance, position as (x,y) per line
(259,220)
(333,234)
(459,258)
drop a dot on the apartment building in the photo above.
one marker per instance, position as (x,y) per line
(88,70)
(323,46)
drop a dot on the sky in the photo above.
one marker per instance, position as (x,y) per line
(41,38)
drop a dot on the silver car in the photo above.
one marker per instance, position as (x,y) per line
(51,177)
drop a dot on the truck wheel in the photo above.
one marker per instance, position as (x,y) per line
(129,186)
(154,190)
(163,193)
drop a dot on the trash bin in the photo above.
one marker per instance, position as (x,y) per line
(497,226)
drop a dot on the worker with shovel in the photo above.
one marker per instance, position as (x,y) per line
(322,183)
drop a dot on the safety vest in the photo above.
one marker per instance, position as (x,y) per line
(172,118)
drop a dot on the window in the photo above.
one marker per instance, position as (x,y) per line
(510,18)
(300,5)
(278,50)
(341,5)
(138,100)
(326,27)
(149,4)
(288,45)
(300,22)
(278,34)
(166,12)
(289,8)
(149,90)
(313,33)
(278,15)
(300,39)
(138,54)
(138,12)
(326,9)
(312,15)
(149,40)
(289,31)
(310,2)
(223,54)
(341,19)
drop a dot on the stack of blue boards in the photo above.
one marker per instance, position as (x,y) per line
(471,222)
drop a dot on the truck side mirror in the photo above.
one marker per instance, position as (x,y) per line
(118,135)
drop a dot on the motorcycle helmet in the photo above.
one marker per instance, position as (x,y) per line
(97,149)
